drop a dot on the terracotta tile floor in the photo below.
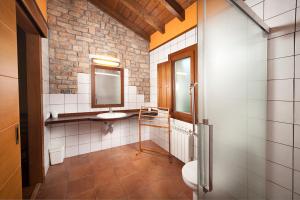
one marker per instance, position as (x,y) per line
(116,173)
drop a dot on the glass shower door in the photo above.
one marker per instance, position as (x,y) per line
(233,71)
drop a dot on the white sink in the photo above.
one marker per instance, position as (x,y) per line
(112,115)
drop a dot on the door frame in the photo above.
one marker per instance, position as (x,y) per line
(30,19)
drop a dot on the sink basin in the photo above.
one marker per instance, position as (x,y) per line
(113,115)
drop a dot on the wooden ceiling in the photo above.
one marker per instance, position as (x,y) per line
(144,17)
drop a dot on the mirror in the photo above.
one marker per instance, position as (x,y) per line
(107,86)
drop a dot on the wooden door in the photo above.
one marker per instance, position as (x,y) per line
(164,85)
(10,167)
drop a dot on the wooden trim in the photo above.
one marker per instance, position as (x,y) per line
(190,51)
(34,13)
(121,19)
(93,98)
(179,34)
(175,8)
(35,108)
(137,9)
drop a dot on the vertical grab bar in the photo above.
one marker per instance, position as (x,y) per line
(207,185)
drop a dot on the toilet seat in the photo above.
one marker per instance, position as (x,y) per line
(189,174)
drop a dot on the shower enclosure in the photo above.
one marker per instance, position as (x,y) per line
(232,48)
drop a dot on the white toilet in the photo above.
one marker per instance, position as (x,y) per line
(189,175)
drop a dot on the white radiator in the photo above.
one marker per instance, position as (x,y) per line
(182,143)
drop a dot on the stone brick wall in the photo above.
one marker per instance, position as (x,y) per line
(76,29)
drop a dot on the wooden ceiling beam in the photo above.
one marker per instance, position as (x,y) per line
(175,8)
(137,9)
(102,6)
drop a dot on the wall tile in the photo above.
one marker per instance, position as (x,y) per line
(57,132)
(282,46)
(84,148)
(84,88)
(297,135)
(280,90)
(297,159)
(281,68)
(280,154)
(70,98)
(56,98)
(57,108)
(95,146)
(279,174)
(71,140)
(83,78)
(297,182)
(282,24)
(57,142)
(83,98)
(280,111)
(71,129)
(276,7)
(297,113)
(85,138)
(297,89)
(297,66)
(296,196)
(70,108)
(280,132)
(275,192)
(298,19)
(71,151)
(83,107)
(84,128)
(297,43)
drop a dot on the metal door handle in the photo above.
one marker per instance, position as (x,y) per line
(17,133)
(207,185)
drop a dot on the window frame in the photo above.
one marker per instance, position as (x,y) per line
(191,52)
(93,92)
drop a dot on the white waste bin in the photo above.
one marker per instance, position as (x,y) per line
(57,155)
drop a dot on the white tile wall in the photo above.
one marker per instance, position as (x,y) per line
(280,175)
(85,137)
(280,111)
(280,90)
(282,24)
(281,46)
(280,133)
(276,192)
(280,154)
(283,67)
(276,7)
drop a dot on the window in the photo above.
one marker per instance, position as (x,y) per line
(184,73)
(107,86)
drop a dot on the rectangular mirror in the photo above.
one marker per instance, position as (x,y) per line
(107,86)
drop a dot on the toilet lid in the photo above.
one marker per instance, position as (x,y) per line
(189,172)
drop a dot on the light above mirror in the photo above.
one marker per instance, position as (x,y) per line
(104,60)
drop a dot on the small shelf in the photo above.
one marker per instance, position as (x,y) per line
(91,116)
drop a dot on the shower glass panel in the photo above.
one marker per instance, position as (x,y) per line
(233,70)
